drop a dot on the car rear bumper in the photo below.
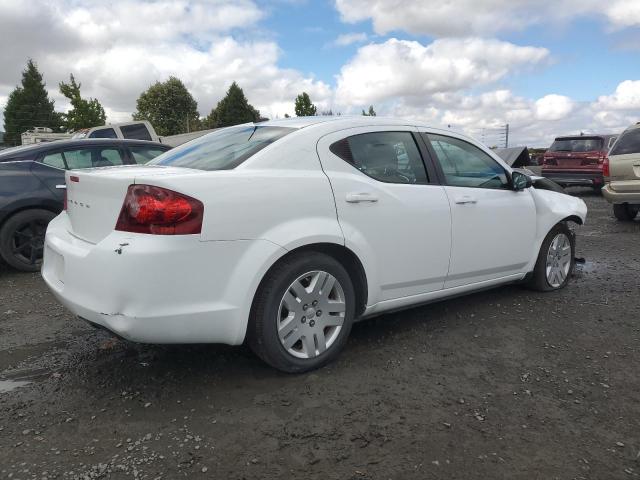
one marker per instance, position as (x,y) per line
(576,178)
(157,289)
(613,196)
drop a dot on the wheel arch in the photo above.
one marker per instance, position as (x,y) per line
(573,218)
(342,254)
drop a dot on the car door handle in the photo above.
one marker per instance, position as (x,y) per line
(61,187)
(465,199)
(361,197)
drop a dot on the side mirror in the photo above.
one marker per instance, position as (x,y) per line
(520,181)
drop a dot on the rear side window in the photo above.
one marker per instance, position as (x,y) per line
(54,160)
(224,149)
(137,131)
(142,155)
(390,157)
(104,133)
(629,142)
(578,144)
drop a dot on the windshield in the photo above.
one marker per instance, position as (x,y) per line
(579,144)
(224,149)
(628,143)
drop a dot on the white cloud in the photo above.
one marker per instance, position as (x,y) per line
(624,13)
(553,107)
(626,97)
(346,39)
(117,50)
(379,72)
(479,17)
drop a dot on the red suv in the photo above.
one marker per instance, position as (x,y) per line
(577,160)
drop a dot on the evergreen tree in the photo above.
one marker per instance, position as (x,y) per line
(84,113)
(372,112)
(29,106)
(304,107)
(233,109)
(169,107)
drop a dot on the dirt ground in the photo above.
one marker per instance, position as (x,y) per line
(506,383)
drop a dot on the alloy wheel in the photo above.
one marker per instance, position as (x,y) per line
(311,314)
(28,241)
(558,260)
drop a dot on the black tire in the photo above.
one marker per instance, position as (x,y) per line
(625,212)
(262,331)
(538,280)
(22,239)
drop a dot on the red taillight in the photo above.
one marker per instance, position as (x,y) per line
(605,167)
(158,211)
(64,201)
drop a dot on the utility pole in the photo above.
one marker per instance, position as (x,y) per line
(506,137)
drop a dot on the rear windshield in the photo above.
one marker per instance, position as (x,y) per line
(629,142)
(222,150)
(579,144)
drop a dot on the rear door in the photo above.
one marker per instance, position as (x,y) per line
(624,162)
(493,227)
(392,212)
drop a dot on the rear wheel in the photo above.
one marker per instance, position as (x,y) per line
(303,312)
(22,239)
(555,261)
(625,212)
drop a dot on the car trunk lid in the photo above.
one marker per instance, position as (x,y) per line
(95,197)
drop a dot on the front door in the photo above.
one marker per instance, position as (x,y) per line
(392,212)
(493,226)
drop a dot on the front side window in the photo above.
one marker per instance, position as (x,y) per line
(107,157)
(104,133)
(465,165)
(137,131)
(143,155)
(223,149)
(628,143)
(391,157)
(80,158)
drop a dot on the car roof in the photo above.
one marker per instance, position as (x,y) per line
(30,150)
(337,121)
(587,135)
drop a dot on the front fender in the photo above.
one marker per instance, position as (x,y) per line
(552,208)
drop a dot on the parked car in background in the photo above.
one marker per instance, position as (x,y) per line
(577,160)
(134,130)
(32,182)
(286,232)
(622,175)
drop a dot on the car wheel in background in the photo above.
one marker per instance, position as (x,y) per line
(302,313)
(22,239)
(555,261)
(625,212)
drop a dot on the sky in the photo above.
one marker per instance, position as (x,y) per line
(545,67)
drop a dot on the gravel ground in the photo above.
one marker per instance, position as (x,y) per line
(506,383)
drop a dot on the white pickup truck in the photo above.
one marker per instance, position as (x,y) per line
(136,130)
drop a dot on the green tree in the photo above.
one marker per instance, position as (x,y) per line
(372,112)
(233,109)
(169,107)
(29,106)
(84,113)
(304,107)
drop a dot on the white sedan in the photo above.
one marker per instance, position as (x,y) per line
(284,233)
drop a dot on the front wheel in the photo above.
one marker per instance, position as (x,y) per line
(625,212)
(555,261)
(303,312)
(22,239)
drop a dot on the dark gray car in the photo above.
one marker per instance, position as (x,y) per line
(32,182)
